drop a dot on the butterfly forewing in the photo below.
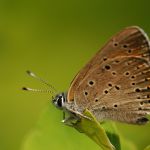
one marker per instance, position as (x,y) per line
(115,83)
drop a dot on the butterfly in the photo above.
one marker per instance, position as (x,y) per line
(114,84)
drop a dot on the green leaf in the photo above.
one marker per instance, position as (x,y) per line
(95,131)
(112,133)
(105,134)
(116,138)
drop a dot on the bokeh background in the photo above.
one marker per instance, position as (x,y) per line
(55,39)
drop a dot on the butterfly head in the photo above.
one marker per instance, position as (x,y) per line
(59,100)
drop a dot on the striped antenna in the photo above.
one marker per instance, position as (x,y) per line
(41,80)
(52,90)
(37,90)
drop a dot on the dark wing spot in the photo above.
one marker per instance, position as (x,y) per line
(114,73)
(129,51)
(91,82)
(137,90)
(107,67)
(127,73)
(133,83)
(109,84)
(132,77)
(106,92)
(141,103)
(125,46)
(115,105)
(139,108)
(104,58)
(115,44)
(96,100)
(117,61)
(86,93)
(103,107)
(117,87)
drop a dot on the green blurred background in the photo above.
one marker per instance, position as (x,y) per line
(55,39)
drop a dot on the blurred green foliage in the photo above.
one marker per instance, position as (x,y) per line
(55,39)
(147,148)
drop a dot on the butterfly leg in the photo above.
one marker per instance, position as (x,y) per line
(70,120)
(72,110)
(83,116)
(79,114)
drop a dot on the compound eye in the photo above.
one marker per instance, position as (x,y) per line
(59,101)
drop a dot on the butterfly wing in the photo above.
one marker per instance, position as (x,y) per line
(115,83)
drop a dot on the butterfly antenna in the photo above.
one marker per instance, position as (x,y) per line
(41,80)
(37,90)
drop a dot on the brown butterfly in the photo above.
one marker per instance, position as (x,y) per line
(114,84)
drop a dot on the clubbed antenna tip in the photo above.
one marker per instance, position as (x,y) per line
(31,74)
(24,88)
(28,71)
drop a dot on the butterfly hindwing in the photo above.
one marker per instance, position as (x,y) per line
(115,83)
